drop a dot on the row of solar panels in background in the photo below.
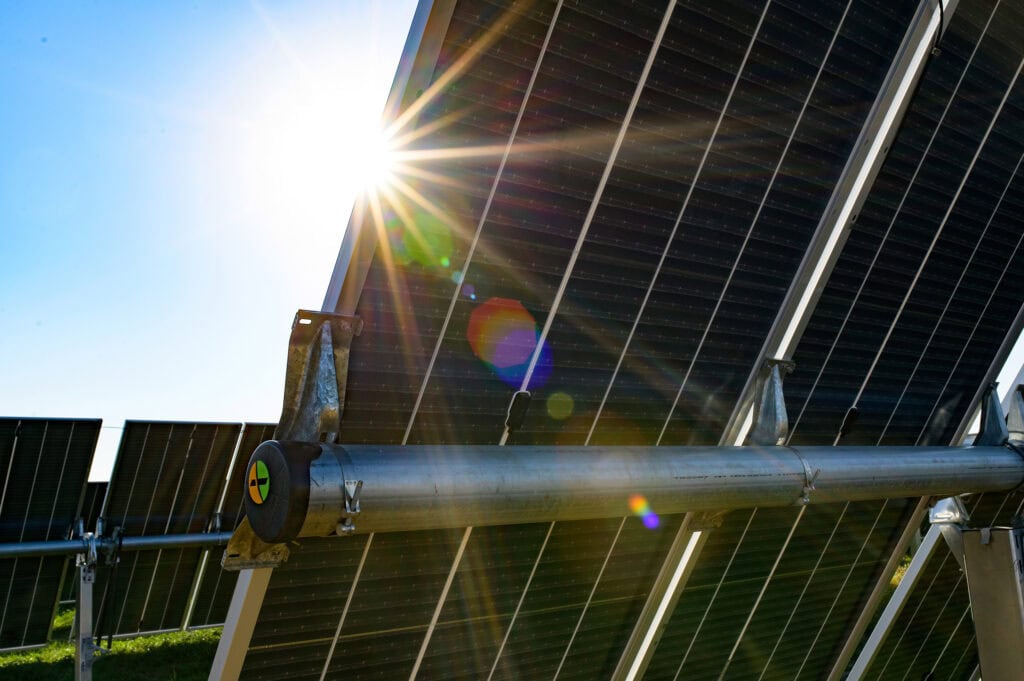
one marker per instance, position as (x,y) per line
(168,479)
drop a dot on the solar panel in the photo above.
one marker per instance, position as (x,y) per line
(216,585)
(690,221)
(920,298)
(799,607)
(45,464)
(167,479)
(622,250)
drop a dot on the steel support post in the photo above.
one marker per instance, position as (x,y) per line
(241,621)
(994,566)
(84,646)
(895,605)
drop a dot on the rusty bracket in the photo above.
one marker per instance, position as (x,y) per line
(314,398)
(314,385)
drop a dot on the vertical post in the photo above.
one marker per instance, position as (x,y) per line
(241,621)
(83,619)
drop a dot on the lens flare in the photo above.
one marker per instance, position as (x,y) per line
(639,506)
(427,241)
(503,334)
(560,406)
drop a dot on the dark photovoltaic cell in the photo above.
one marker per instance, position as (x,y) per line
(217,585)
(922,294)
(600,593)
(811,599)
(745,170)
(167,480)
(45,465)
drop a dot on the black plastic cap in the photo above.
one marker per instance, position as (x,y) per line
(278,476)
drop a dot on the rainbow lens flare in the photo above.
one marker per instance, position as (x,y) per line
(639,506)
(560,406)
(426,241)
(503,335)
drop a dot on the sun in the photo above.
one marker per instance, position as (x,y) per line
(372,159)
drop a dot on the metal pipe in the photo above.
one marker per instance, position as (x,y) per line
(69,547)
(394,488)
(175,541)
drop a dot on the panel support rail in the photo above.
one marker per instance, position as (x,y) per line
(318,490)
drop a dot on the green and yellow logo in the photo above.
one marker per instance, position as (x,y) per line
(259,482)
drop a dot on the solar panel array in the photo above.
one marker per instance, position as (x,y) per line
(649,275)
(611,206)
(722,175)
(216,585)
(44,464)
(922,294)
(167,479)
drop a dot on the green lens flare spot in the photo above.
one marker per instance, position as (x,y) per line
(259,482)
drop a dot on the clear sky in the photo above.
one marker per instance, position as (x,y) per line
(175,180)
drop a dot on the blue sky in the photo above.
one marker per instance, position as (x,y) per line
(175,180)
(174,184)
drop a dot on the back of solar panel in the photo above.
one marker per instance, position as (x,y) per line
(167,479)
(44,464)
(653,255)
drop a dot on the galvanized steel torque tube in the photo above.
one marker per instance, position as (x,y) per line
(305,490)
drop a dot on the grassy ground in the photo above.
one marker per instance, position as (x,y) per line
(177,656)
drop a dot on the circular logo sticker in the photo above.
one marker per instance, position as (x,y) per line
(259,482)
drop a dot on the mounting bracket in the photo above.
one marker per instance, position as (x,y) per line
(993,423)
(314,398)
(771,424)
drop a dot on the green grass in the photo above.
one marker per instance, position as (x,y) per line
(176,656)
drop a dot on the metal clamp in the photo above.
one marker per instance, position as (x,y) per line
(1018,448)
(352,490)
(810,476)
(90,555)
